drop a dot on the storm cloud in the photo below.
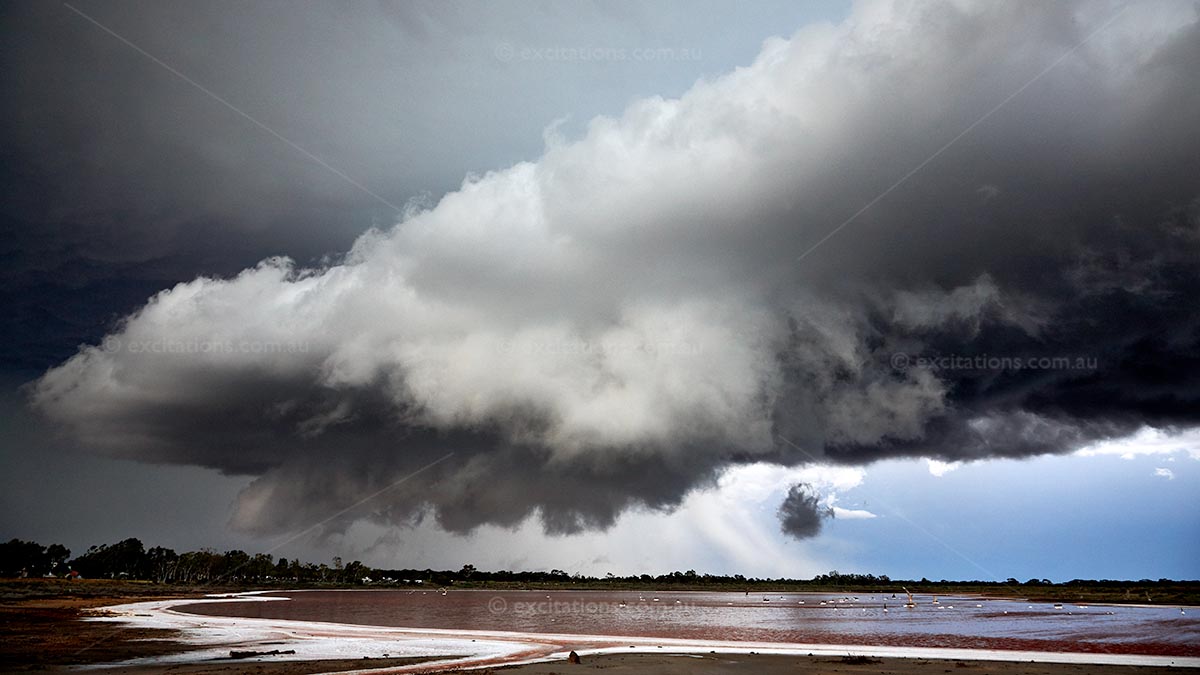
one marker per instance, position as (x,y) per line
(801,513)
(615,323)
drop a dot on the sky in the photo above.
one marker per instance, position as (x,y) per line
(883,287)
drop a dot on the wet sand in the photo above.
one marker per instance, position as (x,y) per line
(36,634)
(48,635)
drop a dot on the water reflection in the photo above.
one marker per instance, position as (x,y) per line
(954,621)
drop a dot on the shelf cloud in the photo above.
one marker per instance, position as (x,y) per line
(733,276)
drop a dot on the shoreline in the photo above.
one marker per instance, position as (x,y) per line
(211,636)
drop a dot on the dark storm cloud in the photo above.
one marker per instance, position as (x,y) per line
(612,325)
(120,178)
(801,513)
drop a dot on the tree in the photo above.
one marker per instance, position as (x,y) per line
(57,554)
(126,558)
(26,558)
(162,563)
(260,566)
(233,565)
(355,572)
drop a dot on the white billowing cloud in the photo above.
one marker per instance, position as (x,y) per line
(841,513)
(1164,473)
(852,514)
(939,469)
(613,325)
(1147,441)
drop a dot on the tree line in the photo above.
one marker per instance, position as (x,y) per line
(129,559)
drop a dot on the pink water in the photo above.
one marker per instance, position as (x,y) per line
(788,617)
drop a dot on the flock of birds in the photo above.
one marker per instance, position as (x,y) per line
(852,600)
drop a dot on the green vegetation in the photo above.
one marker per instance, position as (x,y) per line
(162,570)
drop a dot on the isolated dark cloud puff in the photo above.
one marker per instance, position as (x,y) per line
(801,514)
